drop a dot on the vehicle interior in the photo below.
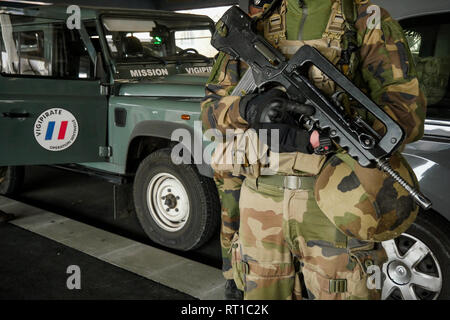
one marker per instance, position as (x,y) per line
(429,40)
(135,40)
(39,47)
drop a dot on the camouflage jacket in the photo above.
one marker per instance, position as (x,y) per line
(385,70)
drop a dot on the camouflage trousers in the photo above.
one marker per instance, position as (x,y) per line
(229,188)
(286,246)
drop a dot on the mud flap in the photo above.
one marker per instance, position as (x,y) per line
(123,201)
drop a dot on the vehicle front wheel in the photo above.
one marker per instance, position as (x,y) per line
(418,261)
(11,179)
(176,206)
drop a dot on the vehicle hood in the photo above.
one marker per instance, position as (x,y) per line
(180,86)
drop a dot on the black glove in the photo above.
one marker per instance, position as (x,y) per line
(274,110)
(272,106)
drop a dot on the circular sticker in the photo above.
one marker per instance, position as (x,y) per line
(56,129)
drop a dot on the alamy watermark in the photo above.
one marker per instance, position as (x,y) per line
(74,280)
(374,20)
(375,277)
(234,147)
(74,19)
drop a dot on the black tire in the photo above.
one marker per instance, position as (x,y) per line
(432,230)
(11,179)
(204,205)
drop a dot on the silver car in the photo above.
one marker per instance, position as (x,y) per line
(418,266)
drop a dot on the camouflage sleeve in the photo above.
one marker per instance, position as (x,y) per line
(389,72)
(219,109)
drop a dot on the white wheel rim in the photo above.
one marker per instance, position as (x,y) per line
(168,202)
(401,270)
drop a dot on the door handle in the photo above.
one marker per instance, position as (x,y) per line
(15,115)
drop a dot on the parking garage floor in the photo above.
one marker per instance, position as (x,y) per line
(90,200)
(38,247)
(33,267)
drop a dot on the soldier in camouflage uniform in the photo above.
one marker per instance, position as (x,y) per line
(229,188)
(316,223)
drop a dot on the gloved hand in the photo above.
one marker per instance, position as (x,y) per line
(272,106)
(274,110)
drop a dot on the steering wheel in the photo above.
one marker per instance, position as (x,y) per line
(187,51)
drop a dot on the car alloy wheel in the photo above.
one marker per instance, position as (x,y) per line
(412,271)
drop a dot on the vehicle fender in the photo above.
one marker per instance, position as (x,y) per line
(164,129)
(433,180)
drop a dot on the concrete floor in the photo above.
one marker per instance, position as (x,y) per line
(38,271)
(90,200)
(117,259)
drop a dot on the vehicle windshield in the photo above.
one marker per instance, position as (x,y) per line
(137,40)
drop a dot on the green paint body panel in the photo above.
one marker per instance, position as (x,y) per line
(180,86)
(34,96)
(141,109)
(157,99)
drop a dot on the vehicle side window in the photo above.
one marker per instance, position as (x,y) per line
(40,47)
(70,56)
(429,40)
(22,48)
(199,40)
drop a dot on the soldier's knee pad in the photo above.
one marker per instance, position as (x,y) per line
(366,203)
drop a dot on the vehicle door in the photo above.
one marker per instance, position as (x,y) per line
(429,40)
(52,110)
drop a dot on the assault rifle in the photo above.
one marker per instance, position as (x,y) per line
(235,35)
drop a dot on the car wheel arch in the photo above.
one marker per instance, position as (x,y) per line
(160,133)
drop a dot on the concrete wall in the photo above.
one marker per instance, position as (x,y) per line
(401,9)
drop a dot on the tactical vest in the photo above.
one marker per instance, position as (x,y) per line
(338,45)
(354,211)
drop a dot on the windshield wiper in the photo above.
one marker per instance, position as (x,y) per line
(156,58)
(183,59)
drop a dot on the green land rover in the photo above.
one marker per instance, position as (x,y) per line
(102,91)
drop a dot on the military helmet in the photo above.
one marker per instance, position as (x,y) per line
(366,203)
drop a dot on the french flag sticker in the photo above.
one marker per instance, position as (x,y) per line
(56,129)
(51,128)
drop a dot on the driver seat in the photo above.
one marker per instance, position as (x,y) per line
(132,47)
